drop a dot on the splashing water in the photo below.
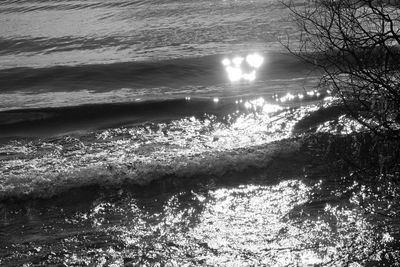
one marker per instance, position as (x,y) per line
(184,147)
(277,224)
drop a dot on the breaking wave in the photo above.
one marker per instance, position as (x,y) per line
(187,147)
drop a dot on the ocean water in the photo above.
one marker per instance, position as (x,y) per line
(167,133)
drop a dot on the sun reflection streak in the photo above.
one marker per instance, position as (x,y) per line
(273,224)
(250,225)
(254,60)
(343,125)
(249,76)
(226,62)
(259,104)
(308,95)
(237,61)
(152,148)
(236,72)
(263,223)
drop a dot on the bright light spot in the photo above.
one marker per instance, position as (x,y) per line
(287,97)
(187,98)
(310,258)
(234,69)
(216,99)
(259,101)
(310,93)
(301,96)
(236,102)
(237,61)
(226,62)
(259,104)
(250,76)
(247,105)
(254,60)
(270,108)
(234,73)
(386,238)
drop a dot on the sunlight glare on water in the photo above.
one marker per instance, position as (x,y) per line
(236,72)
(237,225)
(141,154)
(254,60)
(259,104)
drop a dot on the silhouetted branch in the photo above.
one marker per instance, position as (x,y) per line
(357,45)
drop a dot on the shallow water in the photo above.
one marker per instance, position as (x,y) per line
(276,216)
(211,192)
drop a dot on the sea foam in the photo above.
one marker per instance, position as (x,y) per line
(186,147)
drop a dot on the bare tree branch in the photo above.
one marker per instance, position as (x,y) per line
(357,45)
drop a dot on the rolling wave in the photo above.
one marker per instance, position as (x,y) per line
(50,121)
(202,71)
(117,172)
(111,76)
(51,117)
(138,154)
(43,45)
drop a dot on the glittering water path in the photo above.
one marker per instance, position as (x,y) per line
(176,133)
(258,218)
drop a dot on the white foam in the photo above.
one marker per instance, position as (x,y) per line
(183,148)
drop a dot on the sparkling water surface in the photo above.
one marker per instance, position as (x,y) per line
(171,133)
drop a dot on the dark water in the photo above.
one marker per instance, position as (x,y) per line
(127,139)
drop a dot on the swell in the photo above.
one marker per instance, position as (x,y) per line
(122,173)
(42,45)
(174,73)
(53,121)
(111,76)
(184,147)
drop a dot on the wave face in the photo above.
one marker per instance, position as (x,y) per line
(48,33)
(46,151)
(204,77)
(187,147)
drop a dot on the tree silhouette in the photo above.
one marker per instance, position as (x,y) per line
(357,45)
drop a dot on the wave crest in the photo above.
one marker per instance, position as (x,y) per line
(137,155)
